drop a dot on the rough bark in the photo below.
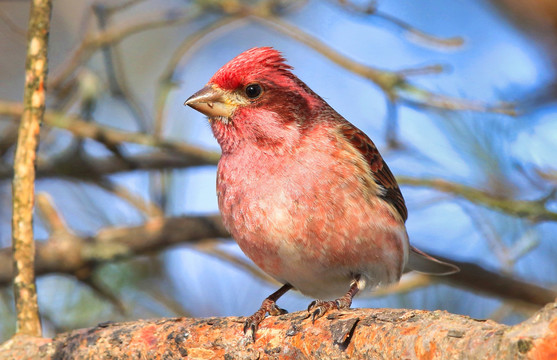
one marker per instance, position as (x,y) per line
(352,334)
(23,185)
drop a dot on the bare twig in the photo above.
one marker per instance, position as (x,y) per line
(166,83)
(122,6)
(452,42)
(407,283)
(210,247)
(114,35)
(533,210)
(50,214)
(8,139)
(371,10)
(23,186)
(116,74)
(93,169)
(478,279)
(77,255)
(13,26)
(147,207)
(105,293)
(392,83)
(109,136)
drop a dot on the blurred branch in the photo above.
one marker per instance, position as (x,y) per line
(477,279)
(8,139)
(92,43)
(104,293)
(394,84)
(452,42)
(166,82)
(371,10)
(92,169)
(354,334)
(109,136)
(115,71)
(23,185)
(491,235)
(193,156)
(408,283)
(114,8)
(147,207)
(73,254)
(532,210)
(77,255)
(50,214)
(210,247)
(22,33)
(548,175)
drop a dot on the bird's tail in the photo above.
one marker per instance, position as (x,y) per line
(421,262)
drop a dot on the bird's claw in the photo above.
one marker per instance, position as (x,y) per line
(250,327)
(313,304)
(252,322)
(318,308)
(276,311)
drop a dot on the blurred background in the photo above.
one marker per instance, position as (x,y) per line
(459,97)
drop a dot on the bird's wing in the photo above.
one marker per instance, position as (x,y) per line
(417,260)
(380,171)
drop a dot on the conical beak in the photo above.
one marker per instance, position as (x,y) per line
(212,102)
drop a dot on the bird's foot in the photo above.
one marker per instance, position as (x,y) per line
(252,322)
(268,306)
(318,308)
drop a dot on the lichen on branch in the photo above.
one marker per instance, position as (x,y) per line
(23,186)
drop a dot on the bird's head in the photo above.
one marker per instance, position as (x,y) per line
(255,99)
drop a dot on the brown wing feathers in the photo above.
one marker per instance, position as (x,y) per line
(380,171)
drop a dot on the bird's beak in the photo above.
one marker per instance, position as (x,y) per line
(213,102)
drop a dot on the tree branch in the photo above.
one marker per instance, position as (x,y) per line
(473,277)
(23,185)
(109,136)
(393,84)
(116,34)
(68,253)
(534,210)
(351,334)
(531,210)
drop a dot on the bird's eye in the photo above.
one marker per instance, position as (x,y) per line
(253,90)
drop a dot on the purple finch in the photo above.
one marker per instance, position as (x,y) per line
(305,194)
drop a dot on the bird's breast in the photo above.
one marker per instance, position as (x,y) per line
(307,217)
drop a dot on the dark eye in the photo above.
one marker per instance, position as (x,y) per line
(253,90)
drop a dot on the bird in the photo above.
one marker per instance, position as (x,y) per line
(305,193)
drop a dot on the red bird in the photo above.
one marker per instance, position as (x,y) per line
(305,194)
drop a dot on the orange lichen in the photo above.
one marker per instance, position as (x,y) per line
(546,347)
(146,336)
